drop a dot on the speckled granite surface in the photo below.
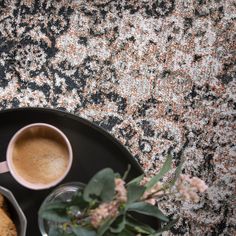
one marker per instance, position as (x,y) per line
(159,75)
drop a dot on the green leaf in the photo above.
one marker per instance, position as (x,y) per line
(108,233)
(56,212)
(156,234)
(126,232)
(177,173)
(59,216)
(126,172)
(147,209)
(54,231)
(102,185)
(165,168)
(119,224)
(53,205)
(167,227)
(135,192)
(139,227)
(171,182)
(80,231)
(78,200)
(105,226)
(136,180)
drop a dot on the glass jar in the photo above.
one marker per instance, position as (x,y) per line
(63,192)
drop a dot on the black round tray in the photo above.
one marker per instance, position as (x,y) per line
(93,149)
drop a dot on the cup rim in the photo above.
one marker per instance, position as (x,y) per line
(24,182)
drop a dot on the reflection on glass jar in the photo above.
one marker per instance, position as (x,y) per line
(64,193)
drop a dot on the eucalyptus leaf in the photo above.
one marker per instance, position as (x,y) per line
(56,215)
(177,173)
(78,200)
(138,226)
(156,234)
(126,232)
(108,233)
(54,231)
(167,227)
(135,192)
(102,185)
(105,226)
(147,209)
(165,168)
(126,172)
(56,211)
(81,231)
(119,224)
(136,180)
(53,205)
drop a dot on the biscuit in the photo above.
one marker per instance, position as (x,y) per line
(7,227)
(1,200)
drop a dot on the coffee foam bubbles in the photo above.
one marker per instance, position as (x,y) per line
(40,157)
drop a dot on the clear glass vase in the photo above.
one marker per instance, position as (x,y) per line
(63,192)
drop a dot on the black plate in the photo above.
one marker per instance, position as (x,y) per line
(93,149)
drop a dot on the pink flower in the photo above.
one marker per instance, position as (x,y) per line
(102,212)
(121,192)
(188,187)
(109,209)
(199,184)
(154,191)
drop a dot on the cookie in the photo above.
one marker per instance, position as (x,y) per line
(1,200)
(7,227)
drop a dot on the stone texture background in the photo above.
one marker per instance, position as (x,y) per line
(159,75)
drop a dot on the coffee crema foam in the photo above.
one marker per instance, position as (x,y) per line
(40,160)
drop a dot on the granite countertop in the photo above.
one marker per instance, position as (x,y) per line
(158,75)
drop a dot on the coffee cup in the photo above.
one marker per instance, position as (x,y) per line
(38,156)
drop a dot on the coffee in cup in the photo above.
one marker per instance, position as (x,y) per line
(39,156)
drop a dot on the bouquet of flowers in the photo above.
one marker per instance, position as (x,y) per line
(108,206)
